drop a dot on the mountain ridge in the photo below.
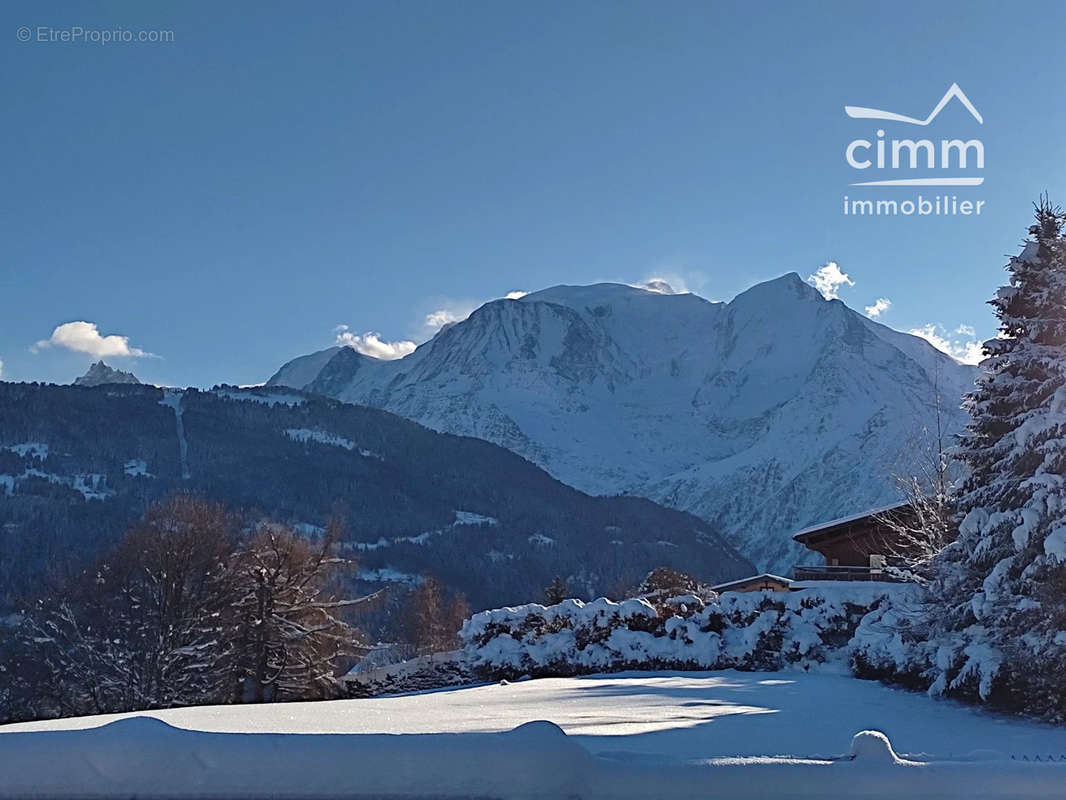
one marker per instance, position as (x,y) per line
(765,414)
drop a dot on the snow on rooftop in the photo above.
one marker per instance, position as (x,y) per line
(765,576)
(850,518)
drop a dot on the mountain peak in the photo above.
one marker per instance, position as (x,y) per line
(790,278)
(655,296)
(567,294)
(789,286)
(100,373)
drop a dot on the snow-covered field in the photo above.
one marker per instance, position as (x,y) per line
(682,715)
(639,735)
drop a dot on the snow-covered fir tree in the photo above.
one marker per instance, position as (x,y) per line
(1002,633)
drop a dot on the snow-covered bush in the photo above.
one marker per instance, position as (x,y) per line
(433,671)
(891,645)
(750,631)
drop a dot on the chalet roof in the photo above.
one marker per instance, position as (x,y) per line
(841,525)
(765,576)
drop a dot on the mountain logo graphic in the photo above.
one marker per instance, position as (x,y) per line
(859,112)
(886,153)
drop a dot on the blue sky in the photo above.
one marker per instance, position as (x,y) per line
(225,200)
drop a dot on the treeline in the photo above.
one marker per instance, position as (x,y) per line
(194,608)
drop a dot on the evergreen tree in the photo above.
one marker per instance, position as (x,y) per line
(556,592)
(1003,633)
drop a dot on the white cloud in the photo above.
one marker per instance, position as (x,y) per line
(972,353)
(435,320)
(670,277)
(371,344)
(670,282)
(450,312)
(828,280)
(85,337)
(456,311)
(879,307)
(1,367)
(968,351)
(659,286)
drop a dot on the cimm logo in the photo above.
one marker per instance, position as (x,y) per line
(937,162)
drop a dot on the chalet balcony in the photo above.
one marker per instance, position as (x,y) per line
(823,572)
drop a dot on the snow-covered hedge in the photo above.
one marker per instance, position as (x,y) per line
(812,627)
(418,674)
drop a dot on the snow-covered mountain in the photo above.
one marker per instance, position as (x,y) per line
(100,373)
(771,412)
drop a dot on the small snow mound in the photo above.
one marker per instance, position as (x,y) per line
(873,746)
(539,730)
(137,728)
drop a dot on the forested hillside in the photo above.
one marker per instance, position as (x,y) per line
(78,464)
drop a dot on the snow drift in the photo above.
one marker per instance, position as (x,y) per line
(146,758)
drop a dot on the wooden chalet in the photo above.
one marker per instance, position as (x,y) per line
(856,548)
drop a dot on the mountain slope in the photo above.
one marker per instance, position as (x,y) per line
(78,464)
(771,412)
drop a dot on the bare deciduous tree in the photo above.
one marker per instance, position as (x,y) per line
(920,531)
(431,620)
(148,627)
(185,612)
(294,636)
